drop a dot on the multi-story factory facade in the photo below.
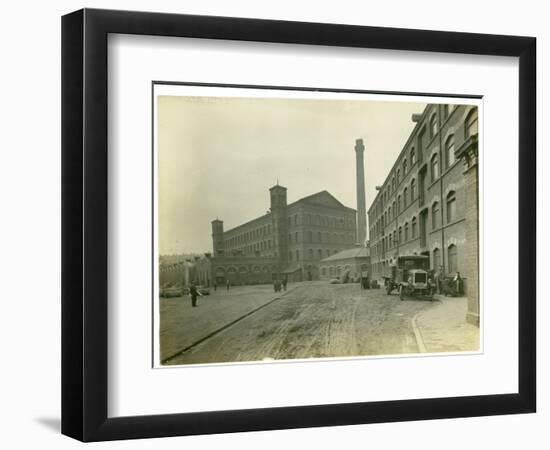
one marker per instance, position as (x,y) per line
(428,203)
(288,241)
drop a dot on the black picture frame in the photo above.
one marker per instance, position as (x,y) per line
(84,224)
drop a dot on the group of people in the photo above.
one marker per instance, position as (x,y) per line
(278,284)
(443,285)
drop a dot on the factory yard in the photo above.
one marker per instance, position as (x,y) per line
(310,320)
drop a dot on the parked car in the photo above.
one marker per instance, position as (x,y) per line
(409,276)
(171,291)
(335,281)
(203,290)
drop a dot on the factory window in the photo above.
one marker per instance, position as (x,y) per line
(296,237)
(435,215)
(320,252)
(413,228)
(398,204)
(413,156)
(405,198)
(310,253)
(400,234)
(406,231)
(398,175)
(394,210)
(433,126)
(404,166)
(413,189)
(319,237)
(309,237)
(289,238)
(470,128)
(452,258)
(451,207)
(390,242)
(389,212)
(436,259)
(395,237)
(290,256)
(450,151)
(434,166)
(297,255)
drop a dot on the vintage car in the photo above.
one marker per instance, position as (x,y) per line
(409,276)
(171,291)
(203,290)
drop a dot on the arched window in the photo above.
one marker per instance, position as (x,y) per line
(399,203)
(394,209)
(406,231)
(436,259)
(400,234)
(451,207)
(390,242)
(413,156)
(470,126)
(404,198)
(433,126)
(393,184)
(297,255)
(310,253)
(450,151)
(413,189)
(413,228)
(404,166)
(398,175)
(389,212)
(395,237)
(434,167)
(452,258)
(435,215)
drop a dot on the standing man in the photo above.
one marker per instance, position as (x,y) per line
(227,284)
(437,278)
(194,292)
(285,281)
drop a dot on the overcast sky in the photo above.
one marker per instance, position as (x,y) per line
(217,157)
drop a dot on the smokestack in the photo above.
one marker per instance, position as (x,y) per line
(361,207)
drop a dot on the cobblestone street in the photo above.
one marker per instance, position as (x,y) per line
(312,319)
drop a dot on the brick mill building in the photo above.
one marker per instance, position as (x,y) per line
(288,241)
(428,203)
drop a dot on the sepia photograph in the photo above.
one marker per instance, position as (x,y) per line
(293,225)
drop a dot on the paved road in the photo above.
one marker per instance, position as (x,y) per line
(316,320)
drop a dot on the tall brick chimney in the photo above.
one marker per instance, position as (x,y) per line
(361,206)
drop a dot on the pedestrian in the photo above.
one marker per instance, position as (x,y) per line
(438,278)
(285,281)
(276,285)
(227,284)
(194,292)
(215,286)
(457,283)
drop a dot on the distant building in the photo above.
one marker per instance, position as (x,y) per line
(288,241)
(428,203)
(350,263)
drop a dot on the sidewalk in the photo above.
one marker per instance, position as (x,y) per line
(443,328)
(181,325)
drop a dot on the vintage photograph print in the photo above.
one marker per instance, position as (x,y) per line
(300,224)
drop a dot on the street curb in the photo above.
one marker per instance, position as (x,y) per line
(224,327)
(418,335)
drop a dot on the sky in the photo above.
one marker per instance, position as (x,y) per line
(218,157)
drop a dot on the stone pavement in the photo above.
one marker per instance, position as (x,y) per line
(443,328)
(181,325)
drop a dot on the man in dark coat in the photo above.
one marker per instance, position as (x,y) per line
(194,292)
